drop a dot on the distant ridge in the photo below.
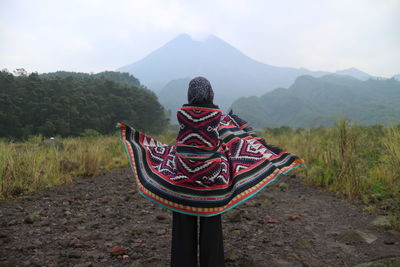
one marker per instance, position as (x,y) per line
(356,73)
(313,102)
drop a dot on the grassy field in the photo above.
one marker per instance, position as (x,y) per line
(34,164)
(40,162)
(358,161)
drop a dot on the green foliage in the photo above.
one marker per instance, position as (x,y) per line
(90,133)
(120,77)
(67,104)
(314,102)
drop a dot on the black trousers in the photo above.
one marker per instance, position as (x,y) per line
(186,240)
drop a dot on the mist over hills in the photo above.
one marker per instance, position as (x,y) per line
(313,98)
(231,73)
(355,73)
(313,102)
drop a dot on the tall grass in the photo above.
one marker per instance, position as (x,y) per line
(358,161)
(39,162)
(34,164)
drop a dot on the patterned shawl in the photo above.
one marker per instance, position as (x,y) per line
(217,163)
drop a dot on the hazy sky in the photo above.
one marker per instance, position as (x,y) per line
(95,35)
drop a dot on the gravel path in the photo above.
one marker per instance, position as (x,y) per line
(288,224)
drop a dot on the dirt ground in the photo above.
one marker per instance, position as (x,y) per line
(288,224)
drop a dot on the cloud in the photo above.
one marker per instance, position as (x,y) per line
(94,35)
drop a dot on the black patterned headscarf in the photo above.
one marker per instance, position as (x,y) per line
(200,92)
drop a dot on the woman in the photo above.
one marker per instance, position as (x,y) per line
(217,163)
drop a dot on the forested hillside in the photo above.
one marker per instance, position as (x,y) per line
(120,77)
(67,104)
(313,102)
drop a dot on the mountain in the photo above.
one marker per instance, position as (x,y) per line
(396,77)
(313,102)
(231,73)
(356,73)
(173,96)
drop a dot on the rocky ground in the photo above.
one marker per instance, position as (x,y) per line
(103,221)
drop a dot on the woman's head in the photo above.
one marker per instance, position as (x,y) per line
(200,91)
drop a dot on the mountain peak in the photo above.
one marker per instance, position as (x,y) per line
(181,38)
(227,68)
(184,37)
(351,69)
(355,73)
